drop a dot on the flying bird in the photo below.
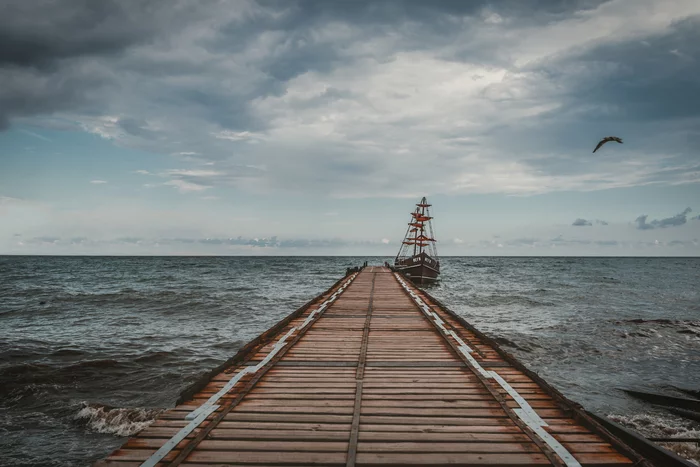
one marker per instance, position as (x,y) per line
(606,139)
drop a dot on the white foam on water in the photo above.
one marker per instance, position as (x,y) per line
(114,420)
(658,426)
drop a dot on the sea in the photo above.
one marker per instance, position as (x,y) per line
(92,349)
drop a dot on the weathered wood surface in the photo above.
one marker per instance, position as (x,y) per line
(370,382)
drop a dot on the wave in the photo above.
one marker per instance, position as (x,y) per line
(68,353)
(607,279)
(652,321)
(522,347)
(25,378)
(685,326)
(663,321)
(504,300)
(114,420)
(126,296)
(89,364)
(657,426)
(155,356)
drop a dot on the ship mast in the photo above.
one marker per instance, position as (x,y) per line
(419,233)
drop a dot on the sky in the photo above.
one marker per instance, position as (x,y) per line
(175,127)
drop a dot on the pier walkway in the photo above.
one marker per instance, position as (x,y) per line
(373,372)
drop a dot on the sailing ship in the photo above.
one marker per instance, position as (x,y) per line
(417,258)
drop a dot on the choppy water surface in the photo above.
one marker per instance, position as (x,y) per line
(91,349)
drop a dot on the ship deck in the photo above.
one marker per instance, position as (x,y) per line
(372,372)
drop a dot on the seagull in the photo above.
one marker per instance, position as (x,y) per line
(606,139)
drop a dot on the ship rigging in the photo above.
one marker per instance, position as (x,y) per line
(418,258)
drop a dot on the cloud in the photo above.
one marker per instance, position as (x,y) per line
(239,136)
(76,29)
(50,240)
(58,65)
(642,223)
(673,221)
(35,135)
(192,173)
(683,243)
(186,187)
(9,201)
(142,172)
(346,98)
(189,180)
(583,222)
(98,182)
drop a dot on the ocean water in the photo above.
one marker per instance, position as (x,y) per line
(92,348)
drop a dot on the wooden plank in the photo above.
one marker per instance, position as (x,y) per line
(444,447)
(295,409)
(408,420)
(445,459)
(359,374)
(256,434)
(249,445)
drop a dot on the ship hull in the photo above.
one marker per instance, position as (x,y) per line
(420,269)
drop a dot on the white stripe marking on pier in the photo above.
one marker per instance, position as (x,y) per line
(179,436)
(198,415)
(525,413)
(275,349)
(524,405)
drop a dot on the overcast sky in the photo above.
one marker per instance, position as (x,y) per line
(312,127)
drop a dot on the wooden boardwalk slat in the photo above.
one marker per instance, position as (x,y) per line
(368,378)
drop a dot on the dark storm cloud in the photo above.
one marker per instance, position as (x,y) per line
(31,91)
(320,83)
(422,25)
(43,63)
(653,79)
(640,89)
(38,32)
(673,221)
(47,46)
(395,11)
(637,80)
(581,222)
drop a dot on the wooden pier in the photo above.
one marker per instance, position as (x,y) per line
(373,372)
